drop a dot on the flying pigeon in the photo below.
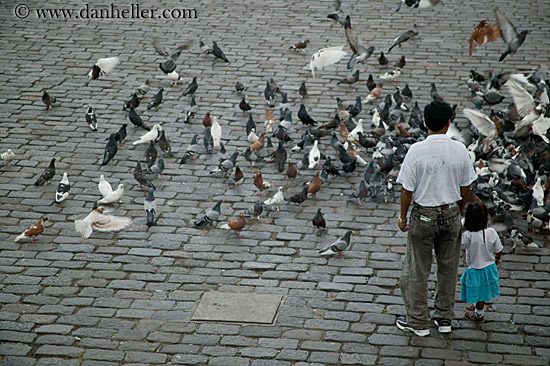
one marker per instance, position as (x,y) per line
(326,57)
(47,174)
(102,67)
(110,149)
(360,52)
(483,33)
(136,119)
(48,100)
(150,207)
(157,99)
(236,225)
(149,136)
(509,34)
(404,37)
(101,222)
(91,118)
(33,231)
(338,246)
(417,3)
(217,51)
(211,215)
(339,15)
(63,189)
(169,65)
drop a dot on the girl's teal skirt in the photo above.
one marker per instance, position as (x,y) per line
(480,284)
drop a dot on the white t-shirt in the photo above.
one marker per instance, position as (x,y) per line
(480,254)
(435,169)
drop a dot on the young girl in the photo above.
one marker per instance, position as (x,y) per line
(480,281)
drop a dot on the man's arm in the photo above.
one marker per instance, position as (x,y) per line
(465,195)
(406,199)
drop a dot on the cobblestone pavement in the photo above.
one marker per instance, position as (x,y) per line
(127,298)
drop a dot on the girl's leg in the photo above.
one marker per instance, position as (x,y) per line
(479,312)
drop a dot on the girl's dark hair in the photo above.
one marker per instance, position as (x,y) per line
(476,217)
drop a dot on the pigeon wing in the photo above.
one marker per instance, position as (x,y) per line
(110,223)
(481,122)
(507,29)
(177,52)
(107,64)
(326,57)
(522,99)
(159,48)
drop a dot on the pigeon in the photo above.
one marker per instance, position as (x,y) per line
(192,87)
(314,155)
(256,210)
(269,95)
(136,119)
(258,144)
(302,90)
(350,79)
(8,156)
(48,100)
(169,65)
(211,215)
(110,150)
(391,75)
(164,144)
(374,94)
(370,83)
(404,37)
(236,176)
(33,231)
(191,110)
(63,189)
(157,99)
(326,57)
(315,185)
(299,197)
(483,33)
(280,156)
(217,52)
(150,207)
(481,122)
(305,117)
(260,183)
(382,60)
(244,106)
(511,37)
(361,192)
(239,87)
(143,89)
(111,196)
(339,15)
(401,62)
(417,3)
(141,177)
(91,118)
(236,225)
(522,240)
(407,92)
(268,121)
(319,221)
(360,52)
(226,165)
(174,77)
(207,120)
(291,172)
(191,151)
(99,221)
(338,246)
(151,154)
(102,67)
(152,135)
(204,48)
(216,132)
(47,174)
(492,97)
(104,187)
(300,46)
(121,134)
(157,168)
(132,102)
(276,200)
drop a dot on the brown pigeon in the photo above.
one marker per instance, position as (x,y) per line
(34,230)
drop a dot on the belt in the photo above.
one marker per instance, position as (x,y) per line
(449,205)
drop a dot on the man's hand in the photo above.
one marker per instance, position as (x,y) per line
(403,225)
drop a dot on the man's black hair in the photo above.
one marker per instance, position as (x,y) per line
(437,114)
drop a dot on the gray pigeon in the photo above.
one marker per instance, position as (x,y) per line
(338,246)
(509,34)
(211,215)
(150,206)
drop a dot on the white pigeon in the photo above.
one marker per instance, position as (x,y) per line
(104,186)
(103,66)
(376,119)
(354,134)
(174,78)
(482,122)
(216,132)
(252,137)
(538,192)
(276,200)
(540,127)
(391,75)
(326,57)
(63,189)
(101,222)
(113,196)
(8,156)
(314,155)
(149,136)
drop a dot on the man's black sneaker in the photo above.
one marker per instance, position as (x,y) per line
(402,324)
(443,325)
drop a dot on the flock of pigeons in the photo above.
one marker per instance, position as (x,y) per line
(509,148)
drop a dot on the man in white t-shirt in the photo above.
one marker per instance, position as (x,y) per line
(436,176)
